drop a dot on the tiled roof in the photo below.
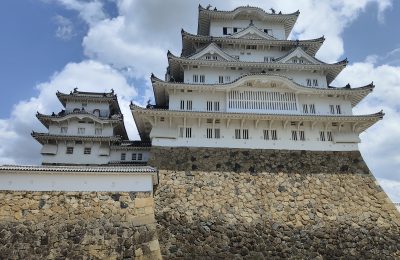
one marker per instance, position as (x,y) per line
(79,169)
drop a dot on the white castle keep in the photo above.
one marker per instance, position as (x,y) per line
(238,83)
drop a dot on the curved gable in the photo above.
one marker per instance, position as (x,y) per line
(298,55)
(211,50)
(252,32)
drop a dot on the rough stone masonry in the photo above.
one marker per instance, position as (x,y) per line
(255,204)
(77,225)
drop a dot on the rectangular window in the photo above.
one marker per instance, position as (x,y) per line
(87,150)
(315,82)
(123,156)
(274,135)
(227,78)
(237,134)
(294,60)
(215,57)
(332,109)
(209,133)
(208,57)
(329,135)
(195,78)
(266,134)
(294,135)
(322,136)
(181,130)
(217,133)
(209,105)
(302,136)
(98,131)
(221,79)
(70,150)
(202,78)
(216,106)
(251,47)
(182,107)
(81,131)
(245,133)
(188,132)
(224,30)
(338,110)
(308,82)
(140,157)
(134,157)
(64,130)
(312,109)
(189,105)
(305,109)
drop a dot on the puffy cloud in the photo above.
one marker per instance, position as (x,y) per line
(16,144)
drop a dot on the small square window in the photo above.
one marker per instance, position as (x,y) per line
(139,156)
(70,150)
(134,156)
(123,156)
(87,150)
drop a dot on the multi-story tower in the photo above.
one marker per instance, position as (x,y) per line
(89,130)
(241,83)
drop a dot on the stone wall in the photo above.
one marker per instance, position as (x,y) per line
(77,225)
(302,205)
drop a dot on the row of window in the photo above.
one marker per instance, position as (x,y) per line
(312,82)
(134,157)
(81,130)
(297,135)
(86,150)
(232,30)
(188,105)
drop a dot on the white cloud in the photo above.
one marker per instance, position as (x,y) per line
(16,143)
(392,188)
(65,28)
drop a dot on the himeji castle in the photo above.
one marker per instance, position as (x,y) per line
(238,83)
(241,83)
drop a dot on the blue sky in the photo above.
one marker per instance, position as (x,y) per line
(50,45)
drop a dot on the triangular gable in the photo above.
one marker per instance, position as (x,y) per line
(298,54)
(213,50)
(252,32)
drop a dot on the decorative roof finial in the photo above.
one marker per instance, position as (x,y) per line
(75,89)
(251,23)
(112,91)
(215,8)
(208,7)
(131,103)
(297,42)
(272,10)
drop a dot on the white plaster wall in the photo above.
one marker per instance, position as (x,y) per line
(103,107)
(322,104)
(216,27)
(75,182)
(255,55)
(78,157)
(255,140)
(212,75)
(115,155)
(73,125)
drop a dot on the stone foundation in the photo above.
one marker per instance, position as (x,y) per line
(77,225)
(301,205)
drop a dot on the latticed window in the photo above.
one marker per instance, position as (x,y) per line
(221,79)
(64,130)
(312,108)
(209,105)
(329,135)
(209,133)
(189,105)
(98,131)
(332,109)
(305,109)
(322,136)
(274,135)
(266,134)
(216,106)
(140,156)
(217,133)
(338,110)
(195,78)
(315,82)
(245,133)
(262,100)
(202,78)
(123,156)
(302,136)
(188,132)
(134,156)
(294,135)
(308,82)
(87,150)
(81,130)
(237,134)
(70,150)
(182,107)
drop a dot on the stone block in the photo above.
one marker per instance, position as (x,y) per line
(144,202)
